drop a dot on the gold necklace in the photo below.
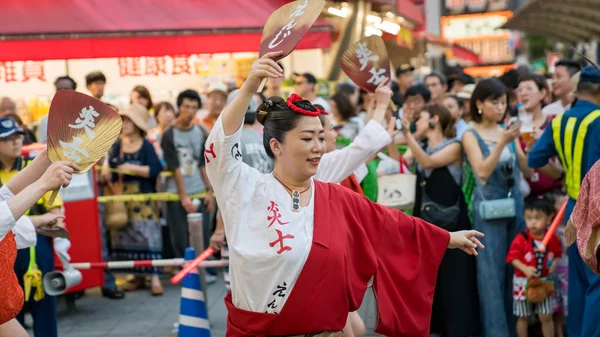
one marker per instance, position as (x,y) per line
(295,195)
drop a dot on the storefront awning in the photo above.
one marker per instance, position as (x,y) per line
(408,10)
(465,54)
(562,20)
(451,49)
(71,29)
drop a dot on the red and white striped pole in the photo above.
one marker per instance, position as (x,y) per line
(144,263)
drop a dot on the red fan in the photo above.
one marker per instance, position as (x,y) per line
(81,129)
(287,26)
(367,64)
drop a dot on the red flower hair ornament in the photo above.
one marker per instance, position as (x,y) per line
(295,98)
(290,103)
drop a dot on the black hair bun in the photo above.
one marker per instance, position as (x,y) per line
(306,105)
(268,105)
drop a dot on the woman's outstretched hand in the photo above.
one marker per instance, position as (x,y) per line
(466,241)
(383,93)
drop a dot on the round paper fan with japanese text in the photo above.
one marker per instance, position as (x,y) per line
(81,129)
(367,63)
(288,24)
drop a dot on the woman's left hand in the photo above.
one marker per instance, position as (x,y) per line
(466,241)
(383,93)
(391,128)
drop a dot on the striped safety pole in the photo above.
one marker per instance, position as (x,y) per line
(144,263)
(193,315)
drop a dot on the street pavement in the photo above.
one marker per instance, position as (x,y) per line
(141,314)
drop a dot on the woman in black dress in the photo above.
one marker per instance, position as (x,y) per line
(440,201)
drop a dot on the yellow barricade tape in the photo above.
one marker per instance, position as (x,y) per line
(163,196)
(113,170)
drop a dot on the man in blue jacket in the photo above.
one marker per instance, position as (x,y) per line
(575,138)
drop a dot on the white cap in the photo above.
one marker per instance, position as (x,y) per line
(466,92)
(217,86)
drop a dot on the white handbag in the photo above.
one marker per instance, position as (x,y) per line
(398,190)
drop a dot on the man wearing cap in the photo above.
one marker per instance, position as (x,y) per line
(42,306)
(465,94)
(562,87)
(405,77)
(574,138)
(217,95)
(305,87)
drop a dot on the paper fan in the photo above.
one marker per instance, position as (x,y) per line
(287,26)
(54,232)
(81,129)
(367,63)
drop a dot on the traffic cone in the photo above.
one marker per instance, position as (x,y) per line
(193,317)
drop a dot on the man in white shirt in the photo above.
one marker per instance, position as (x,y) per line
(562,87)
(305,87)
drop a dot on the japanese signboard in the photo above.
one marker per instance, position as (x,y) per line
(457,7)
(472,26)
(481,34)
(155,66)
(22,71)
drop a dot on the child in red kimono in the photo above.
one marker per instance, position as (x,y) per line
(530,263)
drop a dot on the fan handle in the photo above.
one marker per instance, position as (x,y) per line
(262,84)
(53,197)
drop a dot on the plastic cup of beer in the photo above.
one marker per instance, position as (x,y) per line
(527,133)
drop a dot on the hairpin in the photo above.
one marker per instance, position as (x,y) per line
(295,98)
(268,103)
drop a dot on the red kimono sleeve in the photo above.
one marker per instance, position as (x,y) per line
(11,300)
(408,252)
(515,252)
